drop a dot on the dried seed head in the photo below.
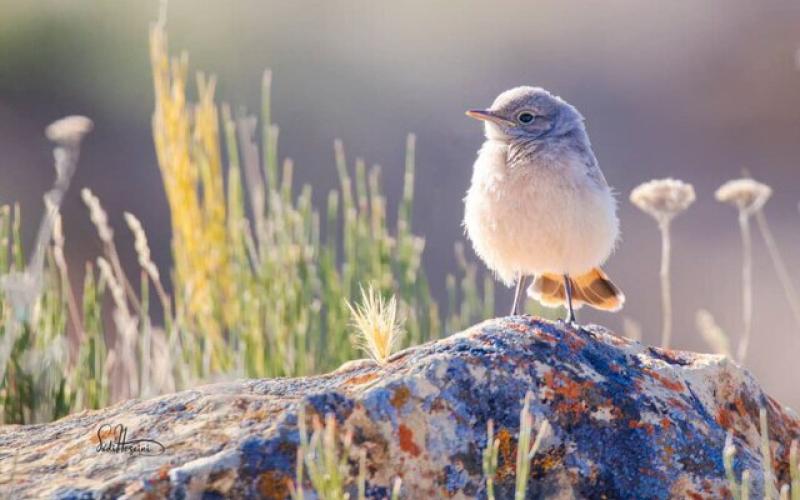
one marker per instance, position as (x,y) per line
(745,194)
(69,131)
(97,215)
(141,246)
(377,324)
(117,292)
(663,198)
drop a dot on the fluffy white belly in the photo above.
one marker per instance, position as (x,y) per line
(538,218)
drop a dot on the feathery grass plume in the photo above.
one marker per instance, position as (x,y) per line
(748,196)
(99,218)
(148,266)
(526,451)
(126,372)
(663,199)
(490,453)
(711,332)
(378,327)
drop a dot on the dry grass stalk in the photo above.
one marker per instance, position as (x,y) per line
(789,289)
(61,263)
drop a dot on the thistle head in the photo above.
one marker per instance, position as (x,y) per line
(663,198)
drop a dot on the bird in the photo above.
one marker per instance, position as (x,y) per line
(539,206)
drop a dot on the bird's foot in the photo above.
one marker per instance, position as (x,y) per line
(571,323)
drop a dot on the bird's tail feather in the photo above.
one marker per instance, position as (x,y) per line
(593,288)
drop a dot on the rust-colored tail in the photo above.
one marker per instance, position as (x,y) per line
(593,288)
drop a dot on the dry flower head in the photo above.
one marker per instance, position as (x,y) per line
(745,194)
(663,198)
(69,130)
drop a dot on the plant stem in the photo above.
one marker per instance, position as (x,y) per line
(666,287)
(780,265)
(747,285)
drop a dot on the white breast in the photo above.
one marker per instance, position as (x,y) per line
(544,216)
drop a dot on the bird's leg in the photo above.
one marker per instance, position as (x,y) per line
(519,295)
(568,291)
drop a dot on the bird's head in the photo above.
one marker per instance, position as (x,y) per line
(527,113)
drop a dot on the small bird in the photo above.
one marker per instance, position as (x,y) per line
(539,205)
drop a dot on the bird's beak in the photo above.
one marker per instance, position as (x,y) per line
(489,116)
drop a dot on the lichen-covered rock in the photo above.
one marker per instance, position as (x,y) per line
(628,421)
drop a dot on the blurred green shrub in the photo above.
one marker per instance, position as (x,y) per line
(261,277)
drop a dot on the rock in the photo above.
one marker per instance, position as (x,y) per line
(628,421)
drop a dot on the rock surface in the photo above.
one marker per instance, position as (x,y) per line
(628,421)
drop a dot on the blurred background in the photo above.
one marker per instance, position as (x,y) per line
(692,90)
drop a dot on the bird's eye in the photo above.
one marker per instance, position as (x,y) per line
(525,117)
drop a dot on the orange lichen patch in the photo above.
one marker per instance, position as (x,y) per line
(400,396)
(547,461)
(648,427)
(361,379)
(68,452)
(407,443)
(273,485)
(665,423)
(694,496)
(574,342)
(259,414)
(673,385)
(574,393)
(669,451)
(677,403)
(619,340)
(162,474)
(545,336)
(741,409)
(516,327)
(508,451)
(724,418)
